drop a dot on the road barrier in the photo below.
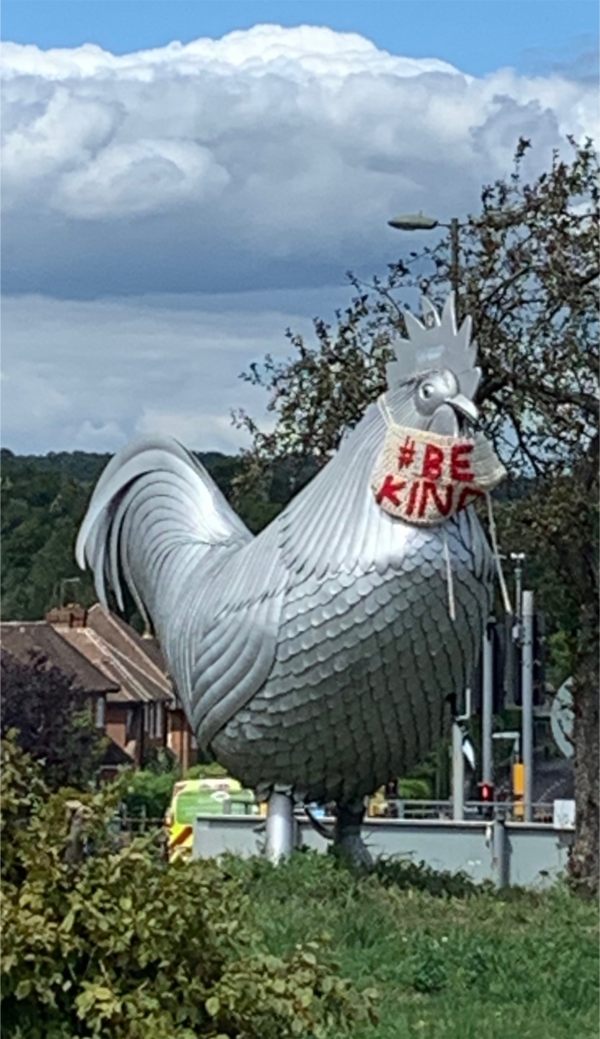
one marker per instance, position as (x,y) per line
(532,855)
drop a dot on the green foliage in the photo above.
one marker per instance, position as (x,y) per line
(51,719)
(43,501)
(149,793)
(42,505)
(108,942)
(414,788)
(449,959)
(404,875)
(206,770)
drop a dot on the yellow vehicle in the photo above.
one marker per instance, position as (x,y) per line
(192,797)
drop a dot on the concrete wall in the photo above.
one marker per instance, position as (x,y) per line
(528,855)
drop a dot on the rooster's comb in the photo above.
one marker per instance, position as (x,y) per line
(435,343)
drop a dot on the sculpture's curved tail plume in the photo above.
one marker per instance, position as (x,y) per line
(154,516)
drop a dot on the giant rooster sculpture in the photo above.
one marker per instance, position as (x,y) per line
(315,661)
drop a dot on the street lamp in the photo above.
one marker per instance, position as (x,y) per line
(421,222)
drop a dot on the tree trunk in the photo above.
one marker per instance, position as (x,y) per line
(584,863)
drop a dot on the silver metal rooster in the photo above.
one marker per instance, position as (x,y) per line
(315,661)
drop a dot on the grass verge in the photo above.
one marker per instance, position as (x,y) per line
(472,964)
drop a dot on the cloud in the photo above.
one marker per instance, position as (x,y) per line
(269,158)
(88,375)
(168,213)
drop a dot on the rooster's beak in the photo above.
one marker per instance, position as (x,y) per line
(465,407)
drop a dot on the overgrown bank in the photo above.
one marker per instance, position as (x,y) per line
(108,942)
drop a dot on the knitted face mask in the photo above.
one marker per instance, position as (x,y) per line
(425,479)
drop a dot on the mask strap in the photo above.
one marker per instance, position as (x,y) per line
(449,577)
(494,539)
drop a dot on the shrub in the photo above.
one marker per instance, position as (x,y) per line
(51,718)
(206,770)
(403,874)
(148,793)
(414,789)
(102,942)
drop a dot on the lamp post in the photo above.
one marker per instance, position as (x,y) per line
(421,222)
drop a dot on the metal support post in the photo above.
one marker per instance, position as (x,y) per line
(280,826)
(527,614)
(500,851)
(458,772)
(487,704)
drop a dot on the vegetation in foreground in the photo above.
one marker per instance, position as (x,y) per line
(447,960)
(106,941)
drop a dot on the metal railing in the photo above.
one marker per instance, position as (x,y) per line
(421,809)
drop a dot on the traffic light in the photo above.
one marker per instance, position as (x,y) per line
(486,796)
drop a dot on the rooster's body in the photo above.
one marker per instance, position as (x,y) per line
(318,656)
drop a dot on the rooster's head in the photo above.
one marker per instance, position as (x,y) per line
(433,379)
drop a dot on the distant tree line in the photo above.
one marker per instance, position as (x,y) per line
(43,500)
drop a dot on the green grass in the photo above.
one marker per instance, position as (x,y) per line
(471,965)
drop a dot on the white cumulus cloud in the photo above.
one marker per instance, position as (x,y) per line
(268,157)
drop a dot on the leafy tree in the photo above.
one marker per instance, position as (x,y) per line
(51,719)
(116,944)
(528,276)
(43,502)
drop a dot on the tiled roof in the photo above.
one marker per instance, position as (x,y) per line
(25,639)
(118,651)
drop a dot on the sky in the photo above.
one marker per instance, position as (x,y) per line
(182,181)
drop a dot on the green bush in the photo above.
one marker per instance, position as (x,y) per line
(148,793)
(414,789)
(106,942)
(206,770)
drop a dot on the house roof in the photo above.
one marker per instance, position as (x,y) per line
(115,756)
(116,650)
(27,639)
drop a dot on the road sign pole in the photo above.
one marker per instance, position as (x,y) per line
(487,706)
(527,613)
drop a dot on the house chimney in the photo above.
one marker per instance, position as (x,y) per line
(73,615)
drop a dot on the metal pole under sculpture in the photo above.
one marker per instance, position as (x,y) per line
(315,660)
(280,826)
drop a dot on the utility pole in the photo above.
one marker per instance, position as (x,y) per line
(518,559)
(487,704)
(527,619)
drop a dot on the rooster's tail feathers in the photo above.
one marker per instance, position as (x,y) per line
(153,500)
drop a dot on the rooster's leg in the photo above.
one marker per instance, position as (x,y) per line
(280,825)
(348,842)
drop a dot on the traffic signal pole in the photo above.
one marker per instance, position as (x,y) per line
(527,621)
(487,706)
